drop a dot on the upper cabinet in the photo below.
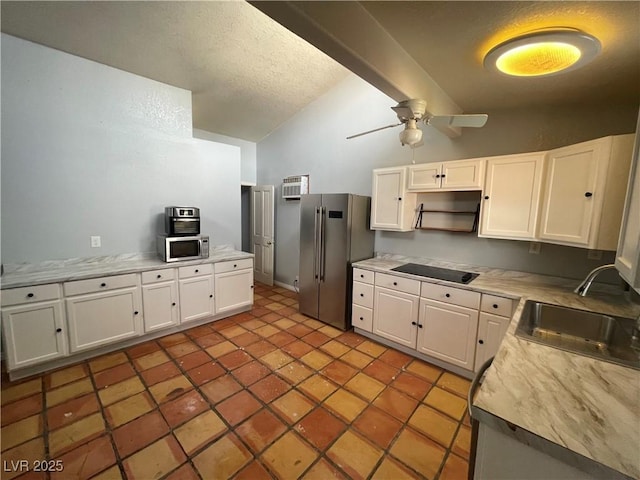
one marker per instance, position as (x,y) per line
(628,256)
(584,193)
(453,175)
(392,207)
(511,196)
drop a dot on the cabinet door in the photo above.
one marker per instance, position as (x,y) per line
(233,290)
(33,333)
(628,254)
(448,332)
(424,177)
(390,207)
(491,331)
(462,175)
(160,301)
(570,196)
(196,298)
(395,316)
(512,196)
(97,319)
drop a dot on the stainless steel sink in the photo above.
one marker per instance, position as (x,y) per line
(595,335)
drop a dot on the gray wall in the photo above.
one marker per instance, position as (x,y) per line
(314,142)
(247,153)
(91,150)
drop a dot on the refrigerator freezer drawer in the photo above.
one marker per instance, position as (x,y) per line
(364,276)
(363,294)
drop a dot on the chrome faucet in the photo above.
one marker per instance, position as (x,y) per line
(586,283)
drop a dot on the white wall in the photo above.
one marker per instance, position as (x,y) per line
(314,142)
(91,150)
(247,153)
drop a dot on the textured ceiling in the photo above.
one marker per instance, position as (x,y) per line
(249,74)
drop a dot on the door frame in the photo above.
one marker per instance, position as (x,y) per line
(264,260)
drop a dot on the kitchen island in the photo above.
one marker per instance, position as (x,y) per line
(579,410)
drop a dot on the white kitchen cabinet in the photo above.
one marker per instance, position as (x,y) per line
(233,285)
(512,196)
(392,207)
(160,299)
(395,316)
(362,300)
(196,292)
(491,331)
(452,175)
(33,325)
(448,332)
(628,252)
(583,199)
(97,319)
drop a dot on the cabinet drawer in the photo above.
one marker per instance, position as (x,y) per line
(362,317)
(364,276)
(223,267)
(398,283)
(155,276)
(100,284)
(195,270)
(37,293)
(455,296)
(496,305)
(363,294)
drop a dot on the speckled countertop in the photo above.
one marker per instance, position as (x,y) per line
(589,407)
(54,271)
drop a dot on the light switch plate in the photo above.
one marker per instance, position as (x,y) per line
(95,241)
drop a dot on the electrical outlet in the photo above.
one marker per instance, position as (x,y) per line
(295,282)
(594,254)
(95,241)
(534,247)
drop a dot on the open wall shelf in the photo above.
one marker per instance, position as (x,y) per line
(474,227)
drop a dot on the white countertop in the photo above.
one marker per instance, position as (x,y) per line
(54,271)
(587,406)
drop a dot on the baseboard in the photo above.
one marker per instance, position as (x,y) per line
(284,285)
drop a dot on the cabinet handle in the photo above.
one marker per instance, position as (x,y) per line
(173,304)
(234,265)
(481,342)
(486,197)
(361,276)
(197,270)
(30,295)
(399,199)
(58,330)
(211,296)
(419,325)
(447,295)
(413,323)
(103,284)
(588,194)
(135,313)
(495,305)
(362,318)
(437,176)
(441,176)
(159,276)
(395,283)
(251,286)
(362,294)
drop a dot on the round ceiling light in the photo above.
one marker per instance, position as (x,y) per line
(543,52)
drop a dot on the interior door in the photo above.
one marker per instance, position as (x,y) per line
(262,228)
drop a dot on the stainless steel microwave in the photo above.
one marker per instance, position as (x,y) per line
(181,221)
(175,249)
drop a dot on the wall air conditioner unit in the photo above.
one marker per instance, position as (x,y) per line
(294,186)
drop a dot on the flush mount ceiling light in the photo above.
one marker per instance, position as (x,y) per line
(543,52)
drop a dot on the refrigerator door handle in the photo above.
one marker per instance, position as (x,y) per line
(323,211)
(315,244)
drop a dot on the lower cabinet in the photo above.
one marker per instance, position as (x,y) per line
(160,302)
(491,331)
(395,316)
(448,332)
(233,285)
(33,333)
(97,319)
(196,292)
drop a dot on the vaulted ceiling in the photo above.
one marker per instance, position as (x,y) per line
(249,74)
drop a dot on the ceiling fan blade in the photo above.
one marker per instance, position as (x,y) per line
(374,130)
(403,112)
(474,120)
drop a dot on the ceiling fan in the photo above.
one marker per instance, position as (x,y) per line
(410,112)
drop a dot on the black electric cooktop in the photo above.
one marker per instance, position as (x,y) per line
(436,272)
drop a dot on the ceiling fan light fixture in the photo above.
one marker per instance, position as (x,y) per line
(411,133)
(544,52)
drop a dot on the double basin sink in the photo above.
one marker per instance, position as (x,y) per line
(605,337)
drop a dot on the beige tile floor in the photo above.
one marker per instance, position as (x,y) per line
(265,394)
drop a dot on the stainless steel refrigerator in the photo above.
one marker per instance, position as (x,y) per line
(334,232)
